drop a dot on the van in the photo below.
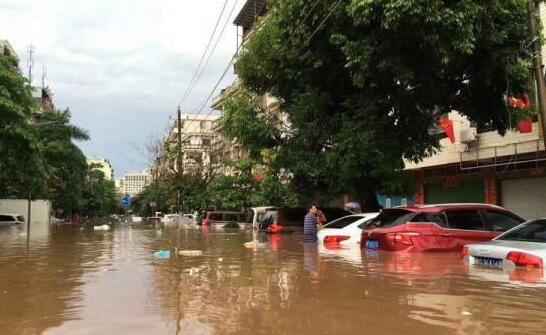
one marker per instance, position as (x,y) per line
(290,219)
(257,214)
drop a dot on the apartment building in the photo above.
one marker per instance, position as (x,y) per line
(103,165)
(7,50)
(133,183)
(197,135)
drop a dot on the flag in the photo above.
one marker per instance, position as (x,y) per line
(447,126)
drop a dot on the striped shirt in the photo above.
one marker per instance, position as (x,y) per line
(310,228)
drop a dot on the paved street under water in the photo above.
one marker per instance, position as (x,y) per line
(73,281)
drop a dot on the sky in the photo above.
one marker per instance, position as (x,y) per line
(121,66)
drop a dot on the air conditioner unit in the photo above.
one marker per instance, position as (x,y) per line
(468,135)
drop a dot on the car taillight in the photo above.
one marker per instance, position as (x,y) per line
(465,252)
(402,238)
(206,222)
(524,259)
(335,239)
(274,228)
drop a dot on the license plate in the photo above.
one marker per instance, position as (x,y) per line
(488,262)
(374,245)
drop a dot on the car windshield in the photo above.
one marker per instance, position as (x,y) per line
(269,218)
(343,222)
(533,231)
(391,218)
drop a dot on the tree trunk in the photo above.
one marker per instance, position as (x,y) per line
(368,201)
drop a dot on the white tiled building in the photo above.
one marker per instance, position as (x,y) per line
(102,164)
(133,183)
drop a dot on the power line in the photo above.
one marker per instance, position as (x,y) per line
(186,92)
(324,20)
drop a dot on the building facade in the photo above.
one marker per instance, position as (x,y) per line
(197,134)
(133,183)
(486,167)
(103,165)
(7,50)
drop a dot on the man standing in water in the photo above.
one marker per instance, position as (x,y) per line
(310,226)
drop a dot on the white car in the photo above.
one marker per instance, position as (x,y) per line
(523,246)
(346,230)
(171,218)
(8,220)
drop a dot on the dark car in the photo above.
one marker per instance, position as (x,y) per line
(290,219)
(221,218)
(445,227)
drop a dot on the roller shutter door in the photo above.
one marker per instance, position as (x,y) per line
(464,191)
(525,197)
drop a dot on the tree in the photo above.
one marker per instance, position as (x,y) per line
(363,82)
(99,194)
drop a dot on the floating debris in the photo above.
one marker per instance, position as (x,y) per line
(162,254)
(254,245)
(191,253)
(103,227)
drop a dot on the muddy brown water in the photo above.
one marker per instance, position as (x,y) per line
(73,281)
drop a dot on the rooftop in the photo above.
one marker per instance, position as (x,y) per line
(251,10)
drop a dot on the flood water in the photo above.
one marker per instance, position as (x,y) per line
(73,281)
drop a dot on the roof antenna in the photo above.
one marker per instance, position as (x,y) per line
(30,63)
(44,74)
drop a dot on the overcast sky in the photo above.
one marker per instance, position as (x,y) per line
(120,65)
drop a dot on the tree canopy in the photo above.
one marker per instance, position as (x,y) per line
(364,82)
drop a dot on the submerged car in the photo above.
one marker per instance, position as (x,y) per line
(446,227)
(8,220)
(523,246)
(345,231)
(290,219)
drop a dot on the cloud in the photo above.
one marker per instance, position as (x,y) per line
(120,65)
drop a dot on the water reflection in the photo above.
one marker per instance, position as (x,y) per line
(85,282)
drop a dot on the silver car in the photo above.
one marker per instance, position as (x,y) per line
(523,246)
(8,220)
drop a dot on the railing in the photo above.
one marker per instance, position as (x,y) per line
(491,155)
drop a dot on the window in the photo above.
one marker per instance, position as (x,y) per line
(269,218)
(533,231)
(206,142)
(439,219)
(5,218)
(465,220)
(343,222)
(203,125)
(392,217)
(500,221)
(20,218)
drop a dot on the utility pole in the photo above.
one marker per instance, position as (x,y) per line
(30,63)
(180,156)
(534,21)
(29,209)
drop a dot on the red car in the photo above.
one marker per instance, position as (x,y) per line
(436,227)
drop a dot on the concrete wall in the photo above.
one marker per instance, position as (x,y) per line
(41,209)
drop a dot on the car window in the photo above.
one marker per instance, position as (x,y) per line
(465,220)
(343,222)
(364,224)
(533,231)
(391,218)
(6,218)
(232,217)
(20,218)
(437,218)
(500,221)
(269,218)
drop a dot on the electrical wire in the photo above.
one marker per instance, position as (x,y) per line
(193,79)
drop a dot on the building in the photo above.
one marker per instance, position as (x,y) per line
(483,166)
(43,96)
(103,165)
(7,50)
(133,183)
(196,135)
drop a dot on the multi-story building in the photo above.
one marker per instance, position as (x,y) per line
(43,96)
(133,183)
(483,166)
(196,135)
(103,165)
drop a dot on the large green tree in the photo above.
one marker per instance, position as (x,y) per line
(364,81)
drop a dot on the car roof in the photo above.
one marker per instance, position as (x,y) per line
(433,208)
(11,214)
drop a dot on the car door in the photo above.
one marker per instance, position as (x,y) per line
(467,226)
